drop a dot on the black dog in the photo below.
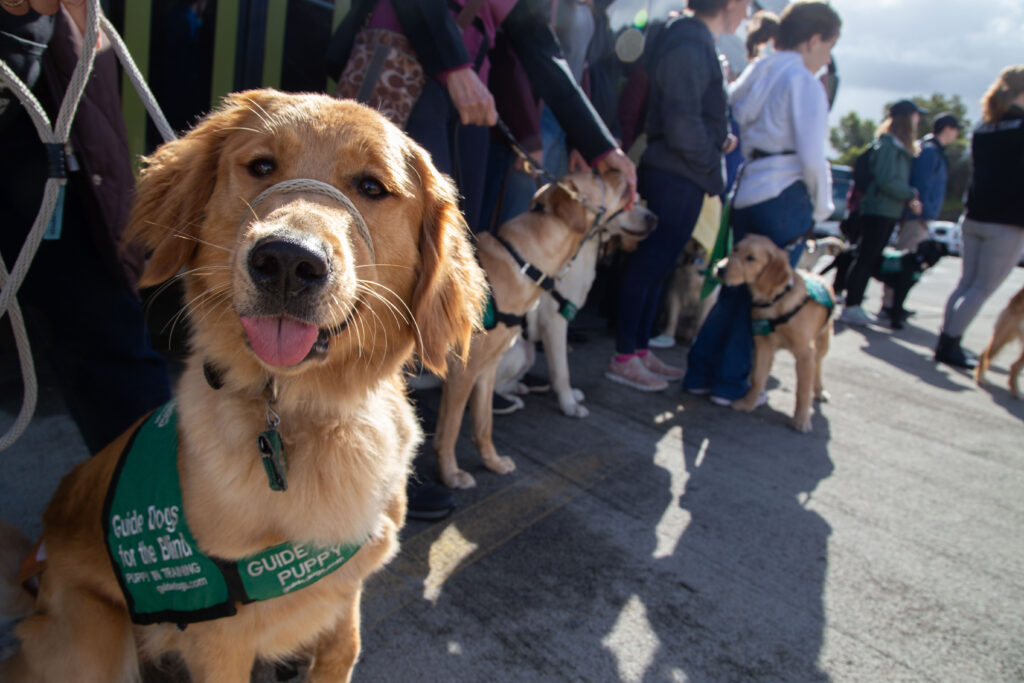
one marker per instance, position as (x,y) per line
(900,270)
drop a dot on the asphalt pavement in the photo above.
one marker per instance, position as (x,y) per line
(664,538)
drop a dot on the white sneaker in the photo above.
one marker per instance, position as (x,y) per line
(856,315)
(662,341)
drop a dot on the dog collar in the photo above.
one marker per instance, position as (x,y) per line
(816,291)
(784,292)
(164,575)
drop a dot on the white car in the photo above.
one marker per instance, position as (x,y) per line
(948,233)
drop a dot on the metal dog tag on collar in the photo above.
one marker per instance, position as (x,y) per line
(569,311)
(274,461)
(760,327)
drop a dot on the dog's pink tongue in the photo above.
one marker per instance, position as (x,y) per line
(280,341)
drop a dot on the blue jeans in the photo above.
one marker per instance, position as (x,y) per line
(458,150)
(556,154)
(677,202)
(508,191)
(722,354)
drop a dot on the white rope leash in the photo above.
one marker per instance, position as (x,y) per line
(57,136)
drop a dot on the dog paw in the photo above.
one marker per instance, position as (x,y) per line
(823,396)
(578,395)
(801,424)
(459,479)
(500,464)
(575,410)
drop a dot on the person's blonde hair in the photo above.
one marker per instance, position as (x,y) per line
(1008,87)
(901,127)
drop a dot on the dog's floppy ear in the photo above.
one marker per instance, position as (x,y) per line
(173,189)
(562,204)
(776,274)
(452,288)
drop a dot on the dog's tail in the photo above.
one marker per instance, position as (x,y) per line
(15,601)
(1004,332)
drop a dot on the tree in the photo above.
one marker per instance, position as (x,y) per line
(851,137)
(854,134)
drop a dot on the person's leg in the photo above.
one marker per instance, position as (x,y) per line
(677,202)
(877,230)
(912,232)
(997,256)
(974,235)
(556,155)
(472,144)
(430,122)
(724,338)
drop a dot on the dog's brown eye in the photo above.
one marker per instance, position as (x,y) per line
(371,187)
(750,258)
(262,167)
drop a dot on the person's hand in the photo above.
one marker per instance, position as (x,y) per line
(577,162)
(618,160)
(730,144)
(915,206)
(471,97)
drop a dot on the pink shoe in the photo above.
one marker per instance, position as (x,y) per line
(632,373)
(668,372)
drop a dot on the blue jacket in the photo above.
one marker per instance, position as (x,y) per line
(928,175)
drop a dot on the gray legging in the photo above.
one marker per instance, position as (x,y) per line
(990,252)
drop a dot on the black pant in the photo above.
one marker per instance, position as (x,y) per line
(875,234)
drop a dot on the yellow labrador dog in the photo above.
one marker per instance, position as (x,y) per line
(549,323)
(785,316)
(319,248)
(526,251)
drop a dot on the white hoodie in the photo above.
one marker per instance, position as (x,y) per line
(780,106)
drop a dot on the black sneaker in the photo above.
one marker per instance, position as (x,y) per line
(427,500)
(505,404)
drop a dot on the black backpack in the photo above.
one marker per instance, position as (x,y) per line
(861,179)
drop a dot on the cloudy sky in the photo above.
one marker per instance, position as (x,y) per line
(900,48)
(890,49)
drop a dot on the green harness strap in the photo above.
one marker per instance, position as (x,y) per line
(164,575)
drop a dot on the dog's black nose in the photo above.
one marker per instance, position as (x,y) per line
(287,268)
(720,272)
(651,221)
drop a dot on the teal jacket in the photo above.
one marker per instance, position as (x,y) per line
(890,187)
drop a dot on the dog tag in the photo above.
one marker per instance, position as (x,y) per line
(760,327)
(274,461)
(53,229)
(569,311)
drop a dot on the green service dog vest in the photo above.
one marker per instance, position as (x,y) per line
(816,291)
(164,575)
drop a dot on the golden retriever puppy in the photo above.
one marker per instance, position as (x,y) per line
(319,247)
(785,316)
(1009,326)
(546,239)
